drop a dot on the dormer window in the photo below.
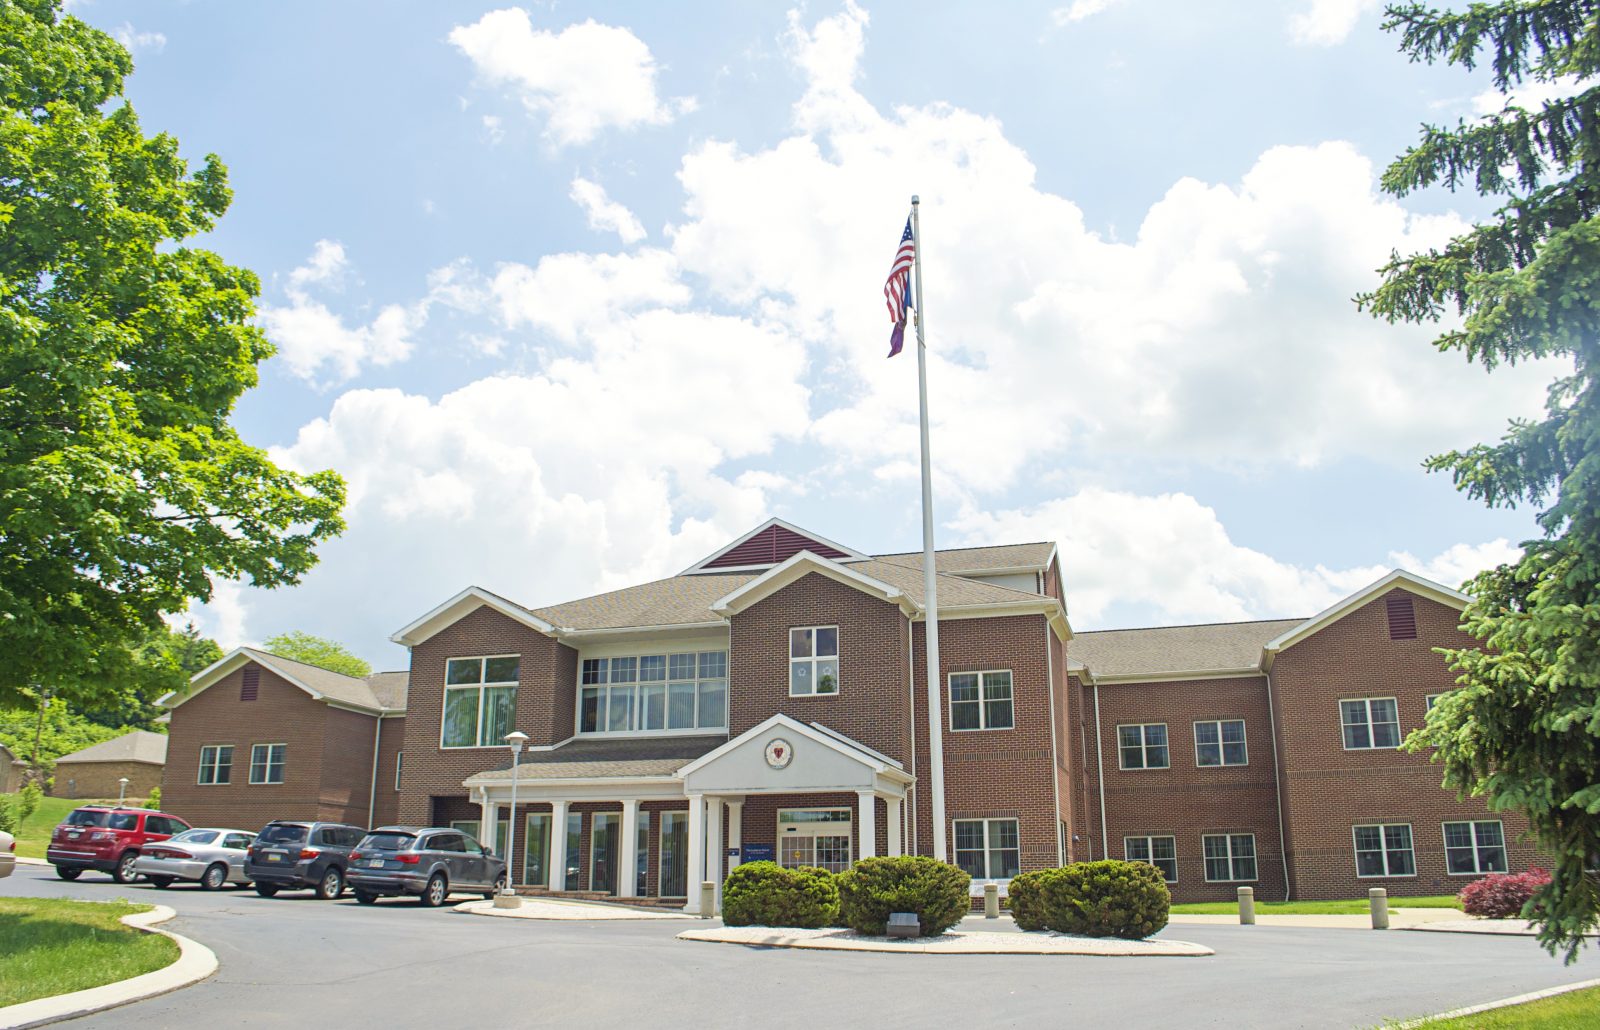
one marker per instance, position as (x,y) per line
(654,693)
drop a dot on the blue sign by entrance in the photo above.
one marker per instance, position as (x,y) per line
(758,853)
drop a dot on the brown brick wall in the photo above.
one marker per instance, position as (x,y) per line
(98,780)
(389,745)
(281,714)
(1327,789)
(546,695)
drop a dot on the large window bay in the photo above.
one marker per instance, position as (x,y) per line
(654,693)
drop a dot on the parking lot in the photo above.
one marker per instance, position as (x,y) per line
(296,961)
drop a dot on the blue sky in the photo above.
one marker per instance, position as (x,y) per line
(573,294)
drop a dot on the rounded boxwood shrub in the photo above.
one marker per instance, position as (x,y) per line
(1026,897)
(767,894)
(1501,895)
(1109,898)
(874,887)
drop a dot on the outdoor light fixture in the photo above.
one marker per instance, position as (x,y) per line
(516,739)
(122,790)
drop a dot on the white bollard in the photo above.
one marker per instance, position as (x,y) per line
(1378,898)
(708,899)
(1247,906)
(991,901)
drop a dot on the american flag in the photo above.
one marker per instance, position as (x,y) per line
(897,291)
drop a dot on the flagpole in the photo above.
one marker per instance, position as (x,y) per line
(930,582)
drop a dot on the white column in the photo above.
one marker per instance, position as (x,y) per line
(714,847)
(558,845)
(867,827)
(735,830)
(894,817)
(488,821)
(697,851)
(628,866)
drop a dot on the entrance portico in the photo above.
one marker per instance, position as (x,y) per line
(660,825)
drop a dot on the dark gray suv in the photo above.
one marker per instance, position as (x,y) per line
(429,862)
(292,855)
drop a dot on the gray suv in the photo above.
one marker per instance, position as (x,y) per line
(292,855)
(428,862)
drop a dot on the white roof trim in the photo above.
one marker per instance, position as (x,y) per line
(851,554)
(462,605)
(781,575)
(228,663)
(827,738)
(1399,577)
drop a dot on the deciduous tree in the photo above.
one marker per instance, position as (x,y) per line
(314,650)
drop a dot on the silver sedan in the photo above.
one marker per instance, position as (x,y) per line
(207,855)
(8,853)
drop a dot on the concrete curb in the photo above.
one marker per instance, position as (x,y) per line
(31,861)
(1490,1006)
(951,943)
(195,962)
(567,911)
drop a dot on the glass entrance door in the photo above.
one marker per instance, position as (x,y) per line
(674,855)
(536,851)
(814,837)
(603,852)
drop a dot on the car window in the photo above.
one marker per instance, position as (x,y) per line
(86,817)
(240,841)
(390,841)
(280,833)
(446,842)
(121,820)
(159,824)
(196,837)
(347,838)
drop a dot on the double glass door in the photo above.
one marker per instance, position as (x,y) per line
(674,855)
(814,837)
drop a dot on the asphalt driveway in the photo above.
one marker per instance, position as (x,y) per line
(292,961)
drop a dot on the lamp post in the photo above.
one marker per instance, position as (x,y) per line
(516,739)
(122,790)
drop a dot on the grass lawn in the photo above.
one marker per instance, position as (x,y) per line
(1579,1010)
(34,834)
(1351,907)
(53,946)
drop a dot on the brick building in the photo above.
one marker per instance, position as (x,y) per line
(97,770)
(771,702)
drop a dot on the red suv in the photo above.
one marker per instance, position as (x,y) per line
(107,839)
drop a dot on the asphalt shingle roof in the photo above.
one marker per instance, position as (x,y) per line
(138,746)
(585,759)
(1214,647)
(980,559)
(381,690)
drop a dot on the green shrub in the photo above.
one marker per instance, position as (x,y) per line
(1105,899)
(767,894)
(28,799)
(154,800)
(8,814)
(874,887)
(1026,894)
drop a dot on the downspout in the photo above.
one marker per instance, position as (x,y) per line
(372,796)
(1277,791)
(1055,755)
(1100,763)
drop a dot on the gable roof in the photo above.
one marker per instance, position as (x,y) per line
(464,603)
(1174,652)
(1398,578)
(377,694)
(996,559)
(138,746)
(771,543)
(799,566)
(832,739)
(678,601)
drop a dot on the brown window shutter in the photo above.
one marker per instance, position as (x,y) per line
(1402,617)
(251,684)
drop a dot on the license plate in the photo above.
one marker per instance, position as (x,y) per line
(274,858)
(376,863)
(73,835)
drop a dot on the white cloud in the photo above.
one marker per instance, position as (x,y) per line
(1531,96)
(1329,22)
(223,618)
(605,214)
(582,80)
(493,126)
(571,294)
(1171,555)
(314,341)
(1078,10)
(135,40)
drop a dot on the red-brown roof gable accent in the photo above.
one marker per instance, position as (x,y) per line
(771,546)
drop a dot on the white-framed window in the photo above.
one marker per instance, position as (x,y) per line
(653,693)
(1384,849)
(1369,723)
(1143,746)
(216,765)
(266,762)
(1474,848)
(1230,857)
(1430,700)
(813,660)
(981,700)
(399,762)
(1220,742)
(480,701)
(1161,852)
(988,849)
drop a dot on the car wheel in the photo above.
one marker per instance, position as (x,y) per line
(214,877)
(331,885)
(265,891)
(67,872)
(435,892)
(366,898)
(123,873)
(161,882)
(499,885)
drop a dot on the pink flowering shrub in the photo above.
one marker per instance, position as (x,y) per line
(1502,895)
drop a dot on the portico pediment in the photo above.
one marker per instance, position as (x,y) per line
(783,755)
